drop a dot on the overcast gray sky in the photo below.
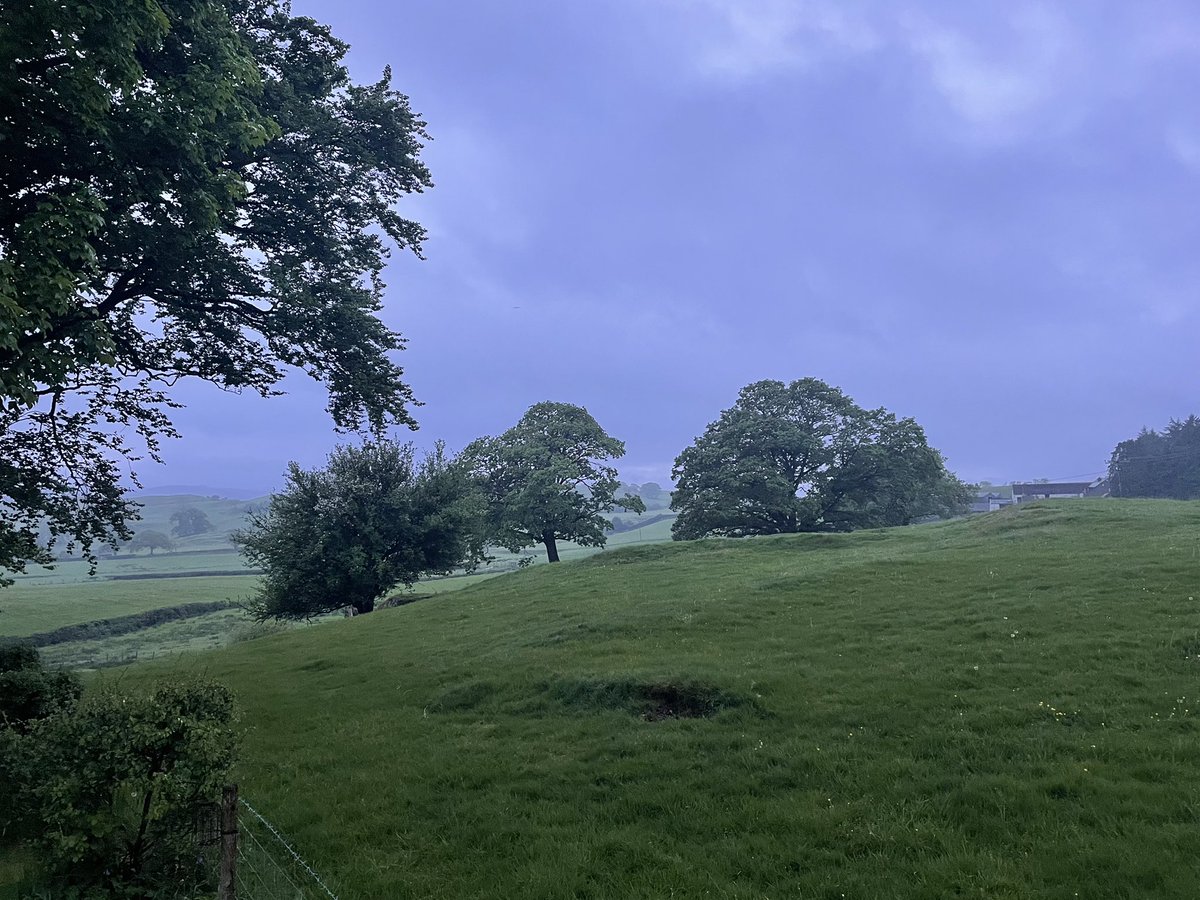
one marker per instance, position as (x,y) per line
(984,216)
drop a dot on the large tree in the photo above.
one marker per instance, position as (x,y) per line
(150,540)
(189,521)
(804,457)
(188,188)
(372,518)
(547,479)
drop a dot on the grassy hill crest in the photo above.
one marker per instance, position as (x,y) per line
(1002,706)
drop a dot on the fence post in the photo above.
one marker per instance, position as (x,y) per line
(229,843)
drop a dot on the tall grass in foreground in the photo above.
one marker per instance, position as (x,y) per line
(1004,706)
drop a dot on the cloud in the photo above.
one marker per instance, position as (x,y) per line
(739,39)
(999,82)
(997,75)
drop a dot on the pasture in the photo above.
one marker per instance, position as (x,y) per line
(47,599)
(1003,706)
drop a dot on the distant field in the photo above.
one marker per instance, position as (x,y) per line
(28,608)
(68,596)
(74,571)
(213,552)
(1003,707)
(200,633)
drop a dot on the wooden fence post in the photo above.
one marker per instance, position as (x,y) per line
(226,885)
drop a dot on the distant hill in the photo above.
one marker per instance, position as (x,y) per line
(226,516)
(201,490)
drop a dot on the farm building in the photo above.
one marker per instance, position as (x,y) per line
(1059,490)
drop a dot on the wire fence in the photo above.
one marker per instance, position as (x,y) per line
(269,867)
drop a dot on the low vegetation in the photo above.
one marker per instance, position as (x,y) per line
(1001,706)
(109,790)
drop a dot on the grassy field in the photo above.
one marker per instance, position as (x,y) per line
(27,608)
(212,552)
(67,596)
(183,563)
(1003,706)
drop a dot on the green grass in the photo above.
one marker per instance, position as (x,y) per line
(30,608)
(215,629)
(1003,706)
(67,596)
(74,571)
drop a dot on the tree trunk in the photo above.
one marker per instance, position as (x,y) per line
(551,546)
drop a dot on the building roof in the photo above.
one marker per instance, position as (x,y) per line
(1052,487)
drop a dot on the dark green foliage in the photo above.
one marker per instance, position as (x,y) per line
(189,521)
(804,457)
(205,165)
(1162,464)
(114,788)
(28,690)
(546,480)
(347,534)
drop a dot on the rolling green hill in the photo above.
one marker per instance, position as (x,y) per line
(1004,706)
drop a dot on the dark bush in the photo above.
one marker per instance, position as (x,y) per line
(28,690)
(113,789)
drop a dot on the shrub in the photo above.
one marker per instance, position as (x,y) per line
(28,690)
(116,785)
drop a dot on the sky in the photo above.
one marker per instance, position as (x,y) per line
(984,216)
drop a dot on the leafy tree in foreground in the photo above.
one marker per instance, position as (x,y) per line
(189,521)
(188,188)
(110,790)
(545,480)
(347,534)
(804,457)
(1162,464)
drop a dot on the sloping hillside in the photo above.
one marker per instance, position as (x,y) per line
(998,707)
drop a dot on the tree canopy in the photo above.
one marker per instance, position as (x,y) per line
(188,189)
(546,480)
(347,534)
(148,539)
(804,457)
(189,521)
(1158,464)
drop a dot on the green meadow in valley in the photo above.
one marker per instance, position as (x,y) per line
(1002,706)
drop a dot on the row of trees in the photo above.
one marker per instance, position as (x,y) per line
(186,522)
(786,458)
(375,516)
(209,167)
(1158,463)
